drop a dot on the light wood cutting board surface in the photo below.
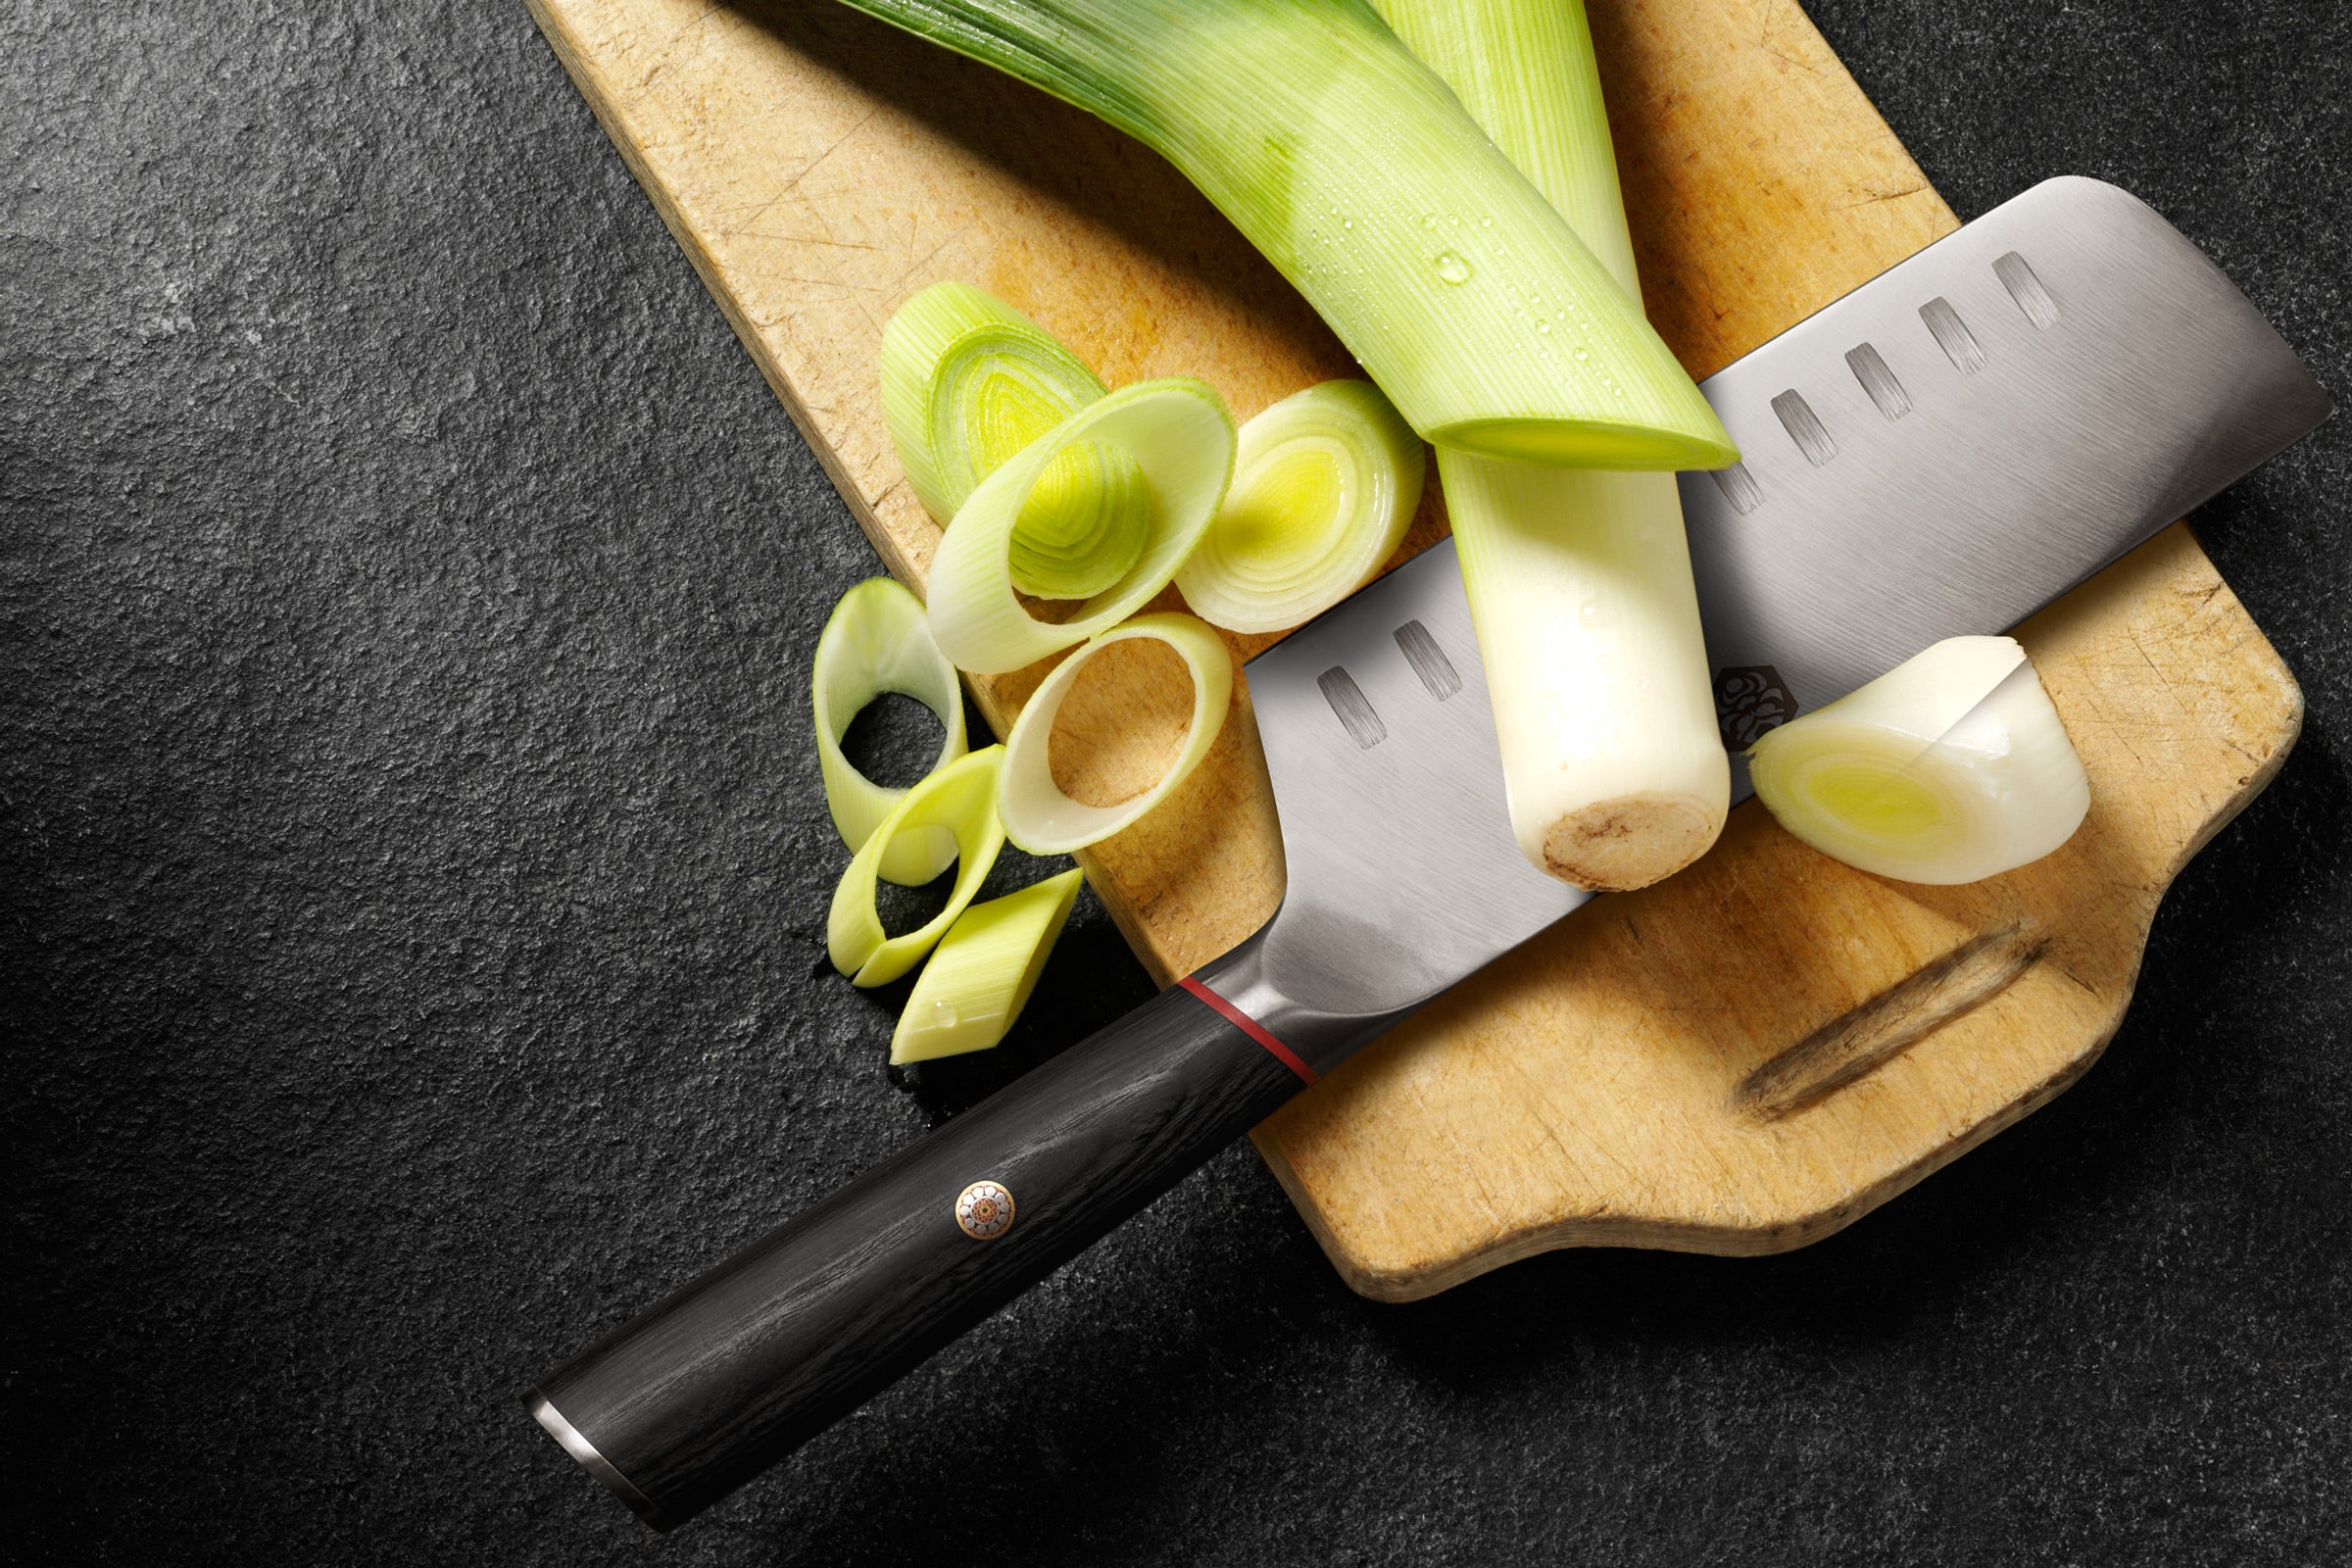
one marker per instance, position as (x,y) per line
(1740,1060)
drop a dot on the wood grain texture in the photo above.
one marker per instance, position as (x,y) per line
(1759,1050)
(1738,1062)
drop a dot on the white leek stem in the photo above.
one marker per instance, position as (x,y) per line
(1580,588)
(1579,582)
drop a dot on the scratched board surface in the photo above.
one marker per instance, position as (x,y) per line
(1704,1066)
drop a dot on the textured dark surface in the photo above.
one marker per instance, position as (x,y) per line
(414,869)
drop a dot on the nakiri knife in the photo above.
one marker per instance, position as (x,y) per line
(1943,451)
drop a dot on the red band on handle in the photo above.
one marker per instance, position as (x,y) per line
(1250,1026)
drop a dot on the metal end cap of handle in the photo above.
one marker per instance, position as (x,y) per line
(595,1463)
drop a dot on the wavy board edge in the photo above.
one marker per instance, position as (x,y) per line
(2166,597)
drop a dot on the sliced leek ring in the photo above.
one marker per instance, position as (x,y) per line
(967,383)
(1324,485)
(980,978)
(1038,817)
(960,797)
(1181,436)
(878,640)
(1952,767)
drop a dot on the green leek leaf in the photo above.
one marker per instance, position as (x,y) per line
(1357,174)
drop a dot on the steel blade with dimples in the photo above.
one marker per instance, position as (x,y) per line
(1942,452)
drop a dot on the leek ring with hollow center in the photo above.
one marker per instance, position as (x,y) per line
(1181,437)
(878,640)
(967,383)
(1043,820)
(960,797)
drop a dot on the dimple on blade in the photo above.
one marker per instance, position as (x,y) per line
(1942,452)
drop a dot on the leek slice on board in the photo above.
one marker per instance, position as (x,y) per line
(1952,767)
(968,381)
(1579,583)
(981,974)
(1038,817)
(1355,170)
(1324,485)
(878,639)
(960,797)
(1179,433)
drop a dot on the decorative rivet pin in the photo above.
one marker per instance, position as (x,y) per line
(984,1211)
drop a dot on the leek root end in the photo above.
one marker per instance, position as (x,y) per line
(1630,841)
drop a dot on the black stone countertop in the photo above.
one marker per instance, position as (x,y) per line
(415,867)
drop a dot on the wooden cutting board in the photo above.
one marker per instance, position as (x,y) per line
(1740,1060)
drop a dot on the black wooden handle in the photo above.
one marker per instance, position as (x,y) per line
(697,1396)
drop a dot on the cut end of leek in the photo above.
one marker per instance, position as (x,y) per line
(1580,587)
(974,989)
(1567,444)
(1579,581)
(967,383)
(1630,841)
(1036,815)
(1181,438)
(1324,485)
(961,799)
(1952,767)
(878,640)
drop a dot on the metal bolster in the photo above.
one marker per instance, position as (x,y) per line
(1317,1035)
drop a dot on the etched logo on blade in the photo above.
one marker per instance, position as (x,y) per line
(1750,699)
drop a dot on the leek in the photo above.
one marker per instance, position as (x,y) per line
(877,640)
(1952,767)
(1181,437)
(980,976)
(1579,583)
(1325,483)
(1043,820)
(960,797)
(1357,172)
(967,383)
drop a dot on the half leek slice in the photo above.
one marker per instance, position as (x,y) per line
(968,381)
(1357,174)
(1952,767)
(1324,485)
(878,640)
(960,797)
(1179,434)
(1038,817)
(979,979)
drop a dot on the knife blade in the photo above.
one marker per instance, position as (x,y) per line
(1943,451)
